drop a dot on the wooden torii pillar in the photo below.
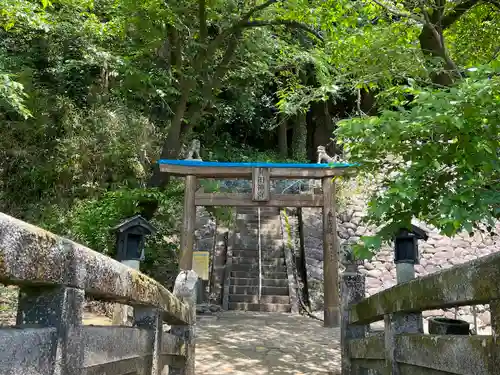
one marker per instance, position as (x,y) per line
(189,212)
(261,196)
(330,255)
(188,224)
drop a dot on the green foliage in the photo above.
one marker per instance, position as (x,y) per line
(367,247)
(12,95)
(227,150)
(223,215)
(474,38)
(437,157)
(288,228)
(90,222)
(90,90)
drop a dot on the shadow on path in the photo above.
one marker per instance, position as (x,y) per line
(253,343)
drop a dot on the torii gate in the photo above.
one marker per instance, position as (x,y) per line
(261,196)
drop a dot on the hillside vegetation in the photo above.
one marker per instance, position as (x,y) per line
(94,92)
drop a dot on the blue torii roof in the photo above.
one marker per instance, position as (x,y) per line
(198,163)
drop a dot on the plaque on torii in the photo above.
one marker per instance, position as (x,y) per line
(261,184)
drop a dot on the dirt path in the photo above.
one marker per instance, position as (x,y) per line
(245,343)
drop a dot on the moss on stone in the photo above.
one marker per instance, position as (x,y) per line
(371,347)
(150,290)
(30,256)
(475,282)
(449,353)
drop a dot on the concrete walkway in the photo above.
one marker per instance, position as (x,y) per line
(248,343)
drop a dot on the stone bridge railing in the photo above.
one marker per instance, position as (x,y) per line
(402,348)
(54,276)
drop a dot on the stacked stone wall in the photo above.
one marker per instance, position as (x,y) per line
(212,236)
(438,253)
(204,230)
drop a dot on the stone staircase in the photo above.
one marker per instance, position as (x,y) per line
(243,293)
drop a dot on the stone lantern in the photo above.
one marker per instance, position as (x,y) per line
(406,245)
(130,239)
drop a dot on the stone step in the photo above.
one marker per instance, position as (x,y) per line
(282,300)
(264,218)
(254,253)
(252,232)
(263,307)
(266,261)
(254,281)
(255,274)
(265,238)
(252,222)
(254,267)
(253,244)
(254,210)
(254,290)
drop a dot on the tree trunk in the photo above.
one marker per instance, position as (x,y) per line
(433,47)
(282,139)
(172,145)
(299,138)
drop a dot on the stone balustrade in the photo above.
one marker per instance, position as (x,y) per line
(54,275)
(402,348)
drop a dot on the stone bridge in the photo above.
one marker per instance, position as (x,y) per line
(53,334)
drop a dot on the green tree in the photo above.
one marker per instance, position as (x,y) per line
(438,156)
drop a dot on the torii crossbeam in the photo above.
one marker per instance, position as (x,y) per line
(261,196)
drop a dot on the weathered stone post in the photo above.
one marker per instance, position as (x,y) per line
(352,290)
(495,318)
(151,318)
(185,290)
(61,308)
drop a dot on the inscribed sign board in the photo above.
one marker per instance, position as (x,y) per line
(201,260)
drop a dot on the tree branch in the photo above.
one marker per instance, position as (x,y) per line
(458,11)
(257,9)
(176,49)
(495,54)
(286,23)
(202,17)
(439,38)
(397,12)
(196,111)
(212,47)
(495,3)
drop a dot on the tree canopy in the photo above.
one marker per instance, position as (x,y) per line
(94,92)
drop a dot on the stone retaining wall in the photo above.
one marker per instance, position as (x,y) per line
(211,236)
(204,230)
(439,252)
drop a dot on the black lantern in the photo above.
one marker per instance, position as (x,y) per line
(406,245)
(130,238)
